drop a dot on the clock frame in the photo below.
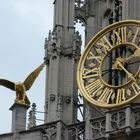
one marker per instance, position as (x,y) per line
(115,50)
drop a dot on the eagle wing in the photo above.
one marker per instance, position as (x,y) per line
(7,83)
(32,76)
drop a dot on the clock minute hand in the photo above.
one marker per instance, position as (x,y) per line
(128,73)
(136,54)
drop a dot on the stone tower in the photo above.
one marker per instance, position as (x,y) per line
(62,50)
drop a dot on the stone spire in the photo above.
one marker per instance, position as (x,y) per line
(62,51)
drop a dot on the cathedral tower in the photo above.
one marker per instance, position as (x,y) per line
(62,51)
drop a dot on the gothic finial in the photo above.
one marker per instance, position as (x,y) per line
(32,116)
(49,35)
(54,33)
(46,43)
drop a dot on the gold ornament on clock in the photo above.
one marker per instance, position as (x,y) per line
(108,72)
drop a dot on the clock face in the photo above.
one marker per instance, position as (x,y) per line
(108,72)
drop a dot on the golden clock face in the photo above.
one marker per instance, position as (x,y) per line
(108,72)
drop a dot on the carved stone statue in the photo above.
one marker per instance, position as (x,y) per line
(21,88)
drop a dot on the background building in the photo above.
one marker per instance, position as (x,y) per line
(63,104)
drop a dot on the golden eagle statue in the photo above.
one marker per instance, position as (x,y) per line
(20,88)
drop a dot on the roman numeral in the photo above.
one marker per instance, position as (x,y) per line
(91,56)
(94,87)
(120,95)
(135,87)
(88,73)
(120,35)
(103,42)
(105,96)
(135,36)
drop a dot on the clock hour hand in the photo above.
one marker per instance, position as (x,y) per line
(116,66)
(119,66)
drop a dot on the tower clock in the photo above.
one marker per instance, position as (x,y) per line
(108,73)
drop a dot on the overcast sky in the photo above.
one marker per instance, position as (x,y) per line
(24,24)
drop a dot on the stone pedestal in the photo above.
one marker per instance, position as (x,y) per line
(18,117)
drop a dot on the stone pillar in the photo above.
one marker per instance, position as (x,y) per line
(128,122)
(59,131)
(88,134)
(18,117)
(108,125)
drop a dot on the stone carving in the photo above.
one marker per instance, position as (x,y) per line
(80,11)
(52,45)
(50,132)
(20,88)
(79,3)
(68,99)
(52,97)
(77,42)
(32,116)
(76,132)
(118,120)
(59,107)
(98,128)
(137,119)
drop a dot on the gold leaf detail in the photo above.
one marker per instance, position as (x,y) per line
(92,65)
(129,34)
(98,93)
(91,80)
(98,50)
(113,97)
(128,92)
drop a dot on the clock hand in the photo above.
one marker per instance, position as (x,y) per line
(118,65)
(123,60)
(135,54)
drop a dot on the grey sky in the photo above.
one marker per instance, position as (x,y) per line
(24,24)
